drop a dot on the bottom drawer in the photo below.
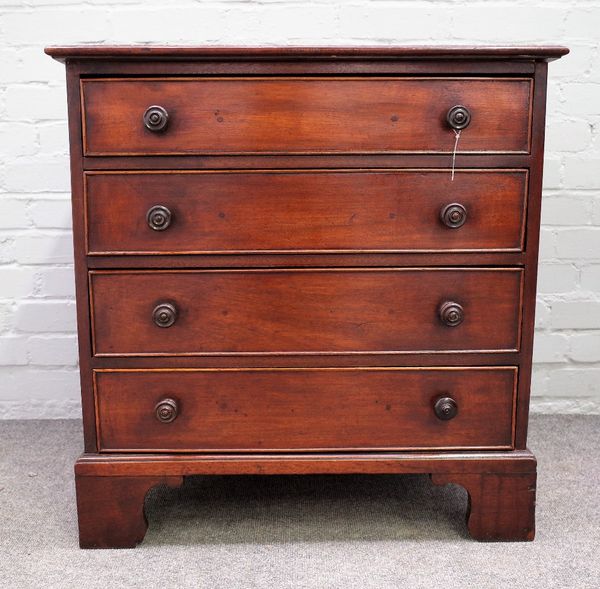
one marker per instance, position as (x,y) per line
(259,410)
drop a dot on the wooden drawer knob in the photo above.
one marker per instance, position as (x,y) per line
(158,217)
(156,118)
(445,408)
(453,215)
(458,117)
(164,315)
(451,314)
(166,410)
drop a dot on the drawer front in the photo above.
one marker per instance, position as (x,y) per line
(304,311)
(302,115)
(237,212)
(304,409)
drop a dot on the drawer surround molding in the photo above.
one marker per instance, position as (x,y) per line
(500,484)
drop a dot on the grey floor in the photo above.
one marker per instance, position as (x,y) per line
(302,532)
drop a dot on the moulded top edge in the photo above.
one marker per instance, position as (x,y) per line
(166,52)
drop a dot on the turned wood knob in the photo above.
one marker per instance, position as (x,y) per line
(453,215)
(158,217)
(156,118)
(445,408)
(451,313)
(166,410)
(164,314)
(458,117)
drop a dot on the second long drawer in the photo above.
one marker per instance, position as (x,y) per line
(333,311)
(183,212)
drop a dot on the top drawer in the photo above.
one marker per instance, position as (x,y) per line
(302,115)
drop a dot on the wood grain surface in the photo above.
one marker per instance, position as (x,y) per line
(307,265)
(304,311)
(309,409)
(267,211)
(448,53)
(304,115)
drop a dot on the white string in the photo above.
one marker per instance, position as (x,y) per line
(457,135)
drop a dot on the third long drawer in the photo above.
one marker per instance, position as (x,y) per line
(296,311)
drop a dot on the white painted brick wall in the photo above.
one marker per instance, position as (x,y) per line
(38,373)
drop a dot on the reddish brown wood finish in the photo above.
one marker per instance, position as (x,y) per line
(381,360)
(501,506)
(304,115)
(336,162)
(312,260)
(531,261)
(260,211)
(183,52)
(80,263)
(111,509)
(414,462)
(110,485)
(304,409)
(304,311)
(501,486)
(381,66)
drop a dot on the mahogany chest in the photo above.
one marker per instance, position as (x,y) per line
(305,260)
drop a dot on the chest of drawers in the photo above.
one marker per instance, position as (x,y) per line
(304,260)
